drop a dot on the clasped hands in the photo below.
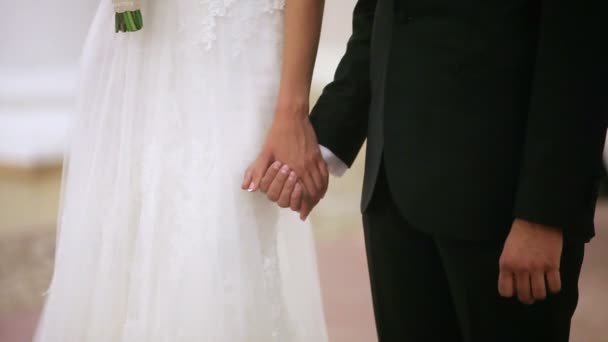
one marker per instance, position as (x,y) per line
(290,169)
(291,172)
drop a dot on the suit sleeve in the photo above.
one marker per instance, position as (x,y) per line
(566,125)
(341,114)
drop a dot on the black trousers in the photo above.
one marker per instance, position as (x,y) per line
(427,288)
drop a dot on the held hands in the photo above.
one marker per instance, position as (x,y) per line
(530,262)
(281,185)
(290,169)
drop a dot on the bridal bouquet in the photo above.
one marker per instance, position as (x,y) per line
(128,15)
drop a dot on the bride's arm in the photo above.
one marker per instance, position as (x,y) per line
(291,139)
(302,30)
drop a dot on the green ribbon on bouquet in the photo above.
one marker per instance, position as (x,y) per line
(128,15)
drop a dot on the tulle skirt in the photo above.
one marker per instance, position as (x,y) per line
(157,242)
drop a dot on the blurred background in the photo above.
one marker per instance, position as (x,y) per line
(40,43)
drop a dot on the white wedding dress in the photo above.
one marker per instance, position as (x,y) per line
(157,241)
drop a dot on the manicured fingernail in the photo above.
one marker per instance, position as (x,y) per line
(251,187)
(292,176)
(285,169)
(276,165)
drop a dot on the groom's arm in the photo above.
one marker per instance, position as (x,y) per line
(341,113)
(566,124)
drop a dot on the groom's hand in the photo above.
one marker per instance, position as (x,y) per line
(530,262)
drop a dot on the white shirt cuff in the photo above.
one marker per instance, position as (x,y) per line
(335,166)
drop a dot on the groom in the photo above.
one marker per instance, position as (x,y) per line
(485,123)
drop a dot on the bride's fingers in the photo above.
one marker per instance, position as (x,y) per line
(285,196)
(259,169)
(318,182)
(269,176)
(305,209)
(278,183)
(308,183)
(296,197)
(247,179)
(325,175)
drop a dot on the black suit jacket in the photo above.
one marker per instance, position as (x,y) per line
(481,110)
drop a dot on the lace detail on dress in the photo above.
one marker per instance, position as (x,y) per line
(210,14)
(273,5)
(215,9)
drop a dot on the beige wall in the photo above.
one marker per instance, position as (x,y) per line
(336,31)
(40,42)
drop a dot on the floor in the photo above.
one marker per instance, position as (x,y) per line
(27,210)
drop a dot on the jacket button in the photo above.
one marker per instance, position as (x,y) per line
(403,18)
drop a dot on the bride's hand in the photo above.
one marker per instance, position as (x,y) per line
(292,141)
(282,186)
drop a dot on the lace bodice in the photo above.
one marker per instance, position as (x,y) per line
(242,18)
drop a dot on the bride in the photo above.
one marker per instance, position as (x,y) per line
(157,240)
